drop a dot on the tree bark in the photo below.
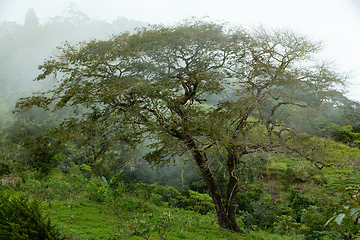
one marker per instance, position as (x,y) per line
(225,214)
(232,186)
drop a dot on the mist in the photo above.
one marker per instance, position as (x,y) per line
(26,45)
(333,22)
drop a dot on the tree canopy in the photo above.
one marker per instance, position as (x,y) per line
(155,85)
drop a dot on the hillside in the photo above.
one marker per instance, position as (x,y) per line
(289,199)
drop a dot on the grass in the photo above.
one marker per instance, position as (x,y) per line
(341,155)
(89,219)
(93,221)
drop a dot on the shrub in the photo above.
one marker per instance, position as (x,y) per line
(95,193)
(248,220)
(287,225)
(312,217)
(298,203)
(148,193)
(197,202)
(146,225)
(169,195)
(22,219)
(244,200)
(86,170)
(264,213)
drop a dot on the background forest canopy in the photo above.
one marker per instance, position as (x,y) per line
(24,47)
(204,94)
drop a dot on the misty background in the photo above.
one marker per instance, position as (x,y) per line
(334,22)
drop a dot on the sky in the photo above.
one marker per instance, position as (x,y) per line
(335,22)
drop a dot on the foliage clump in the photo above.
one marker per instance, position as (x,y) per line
(22,219)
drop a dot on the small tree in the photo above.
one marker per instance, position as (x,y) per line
(39,149)
(154,85)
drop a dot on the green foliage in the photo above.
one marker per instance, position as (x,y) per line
(198,202)
(289,177)
(4,169)
(22,219)
(145,225)
(86,170)
(351,208)
(298,203)
(23,48)
(169,195)
(264,213)
(41,190)
(287,225)
(42,150)
(326,127)
(314,219)
(91,220)
(244,200)
(124,214)
(69,188)
(347,135)
(339,132)
(147,193)
(347,229)
(96,193)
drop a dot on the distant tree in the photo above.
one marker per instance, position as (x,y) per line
(31,20)
(122,24)
(37,147)
(154,84)
(8,27)
(75,16)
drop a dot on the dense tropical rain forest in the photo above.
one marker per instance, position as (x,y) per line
(199,130)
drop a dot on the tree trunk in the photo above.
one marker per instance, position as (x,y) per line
(232,186)
(225,214)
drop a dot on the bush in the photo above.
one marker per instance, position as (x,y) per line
(264,213)
(298,203)
(147,225)
(244,200)
(96,193)
(148,193)
(197,202)
(313,218)
(287,225)
(22,219)
(169,195)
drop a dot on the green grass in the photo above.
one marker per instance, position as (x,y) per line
(340,155)
(89,221)
(92,221)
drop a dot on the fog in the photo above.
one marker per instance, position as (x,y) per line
(335,22)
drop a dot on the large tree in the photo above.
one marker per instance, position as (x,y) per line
(154,85)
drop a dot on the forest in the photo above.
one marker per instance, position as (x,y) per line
(197,130)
